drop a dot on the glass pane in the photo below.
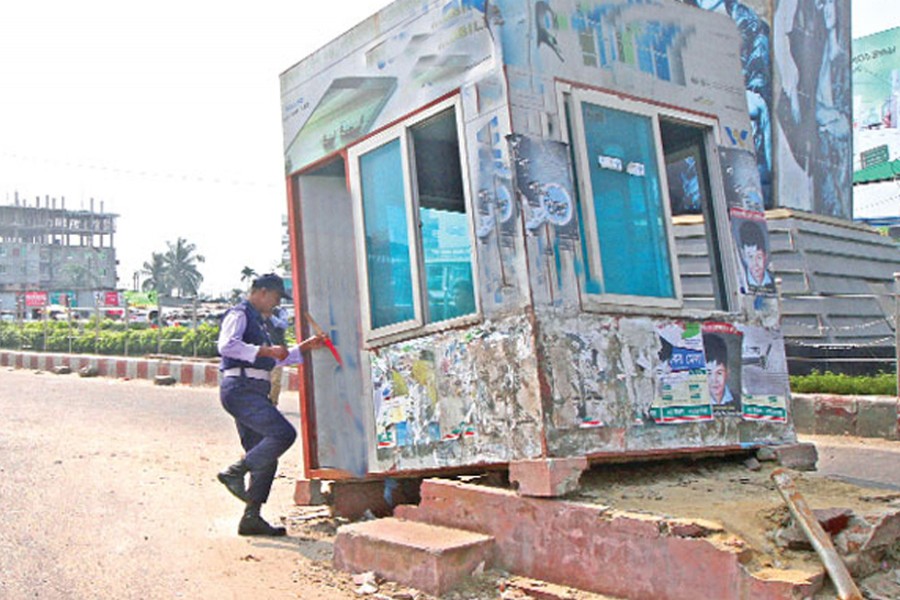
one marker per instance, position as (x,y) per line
(387,236)
(627,204)
(446,246)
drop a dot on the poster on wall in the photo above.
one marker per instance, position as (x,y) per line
(722,350)
(497,212)
(405,398)
(740,179)
(544,181)
(752,239)
(683,387)
(764,376)
(813,107)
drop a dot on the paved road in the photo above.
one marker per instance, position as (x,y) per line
(108,490)
(862,461)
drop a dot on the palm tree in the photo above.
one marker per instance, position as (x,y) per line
(181,263)
(157,273)
(247,274)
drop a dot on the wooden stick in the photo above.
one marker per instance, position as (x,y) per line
(820,540)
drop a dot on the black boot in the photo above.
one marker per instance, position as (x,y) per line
(233,479)
(253,524)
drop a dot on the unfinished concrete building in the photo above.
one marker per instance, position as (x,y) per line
(53,255)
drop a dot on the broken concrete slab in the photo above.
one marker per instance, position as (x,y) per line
(800,456)
(574,544)
(431,558)
(88,371)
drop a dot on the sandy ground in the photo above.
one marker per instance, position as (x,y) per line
(744,501)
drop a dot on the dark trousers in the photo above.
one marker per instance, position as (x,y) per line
(265,433)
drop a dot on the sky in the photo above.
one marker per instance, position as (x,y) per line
(166,112)
(168,115)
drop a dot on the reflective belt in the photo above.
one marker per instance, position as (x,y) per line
(246,372)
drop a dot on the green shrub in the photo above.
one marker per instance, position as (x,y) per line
(883,384)
(111,338)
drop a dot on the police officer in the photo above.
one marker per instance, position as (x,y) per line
(248,357)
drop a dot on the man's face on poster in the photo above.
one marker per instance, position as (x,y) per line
(755,258)
(718,376)
(828,12)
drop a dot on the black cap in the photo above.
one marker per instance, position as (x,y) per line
(271,281)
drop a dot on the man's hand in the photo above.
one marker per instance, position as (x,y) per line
(276,352)
(316,341)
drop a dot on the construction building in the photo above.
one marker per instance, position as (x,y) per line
(51,255)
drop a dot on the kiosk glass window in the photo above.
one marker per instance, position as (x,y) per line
(637,165)
(388,253)
(414,225)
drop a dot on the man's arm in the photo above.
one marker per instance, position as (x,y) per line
(232,345)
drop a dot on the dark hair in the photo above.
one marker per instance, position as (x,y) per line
(752,235)
(270,281)
(715,349)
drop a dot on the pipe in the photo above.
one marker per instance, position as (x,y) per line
(820,540)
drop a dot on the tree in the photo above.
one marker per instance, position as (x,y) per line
(157,275)
(181,263)
(235,296)
(248,274)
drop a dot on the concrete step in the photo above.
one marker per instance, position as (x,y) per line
(430,558)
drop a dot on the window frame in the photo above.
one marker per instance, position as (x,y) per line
(402,131)
(571,98)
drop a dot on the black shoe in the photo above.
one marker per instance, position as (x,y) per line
(233,479)
(256,525)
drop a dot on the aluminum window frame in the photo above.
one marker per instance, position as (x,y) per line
(419,324)
(571,98)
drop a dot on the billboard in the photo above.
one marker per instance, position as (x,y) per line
(813,106)
(876,80)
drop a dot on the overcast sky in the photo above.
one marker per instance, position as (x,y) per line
(169,114)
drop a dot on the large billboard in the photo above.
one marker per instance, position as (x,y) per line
(754,22)
(812,115)
(876,98)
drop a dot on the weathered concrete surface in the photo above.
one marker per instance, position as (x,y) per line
(429,557)
(863,416)
(576,544)
(801,457)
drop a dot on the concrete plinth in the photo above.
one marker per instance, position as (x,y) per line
(427,557)
(547,477)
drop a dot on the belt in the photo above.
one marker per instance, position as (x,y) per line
(247,372)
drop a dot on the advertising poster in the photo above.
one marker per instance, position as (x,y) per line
(764,376)
(722,349)
(683,389)
(813,106)
(544,181)
(752,238)
(876,81)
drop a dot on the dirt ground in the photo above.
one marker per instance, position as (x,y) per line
(725,491)
(108,490)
